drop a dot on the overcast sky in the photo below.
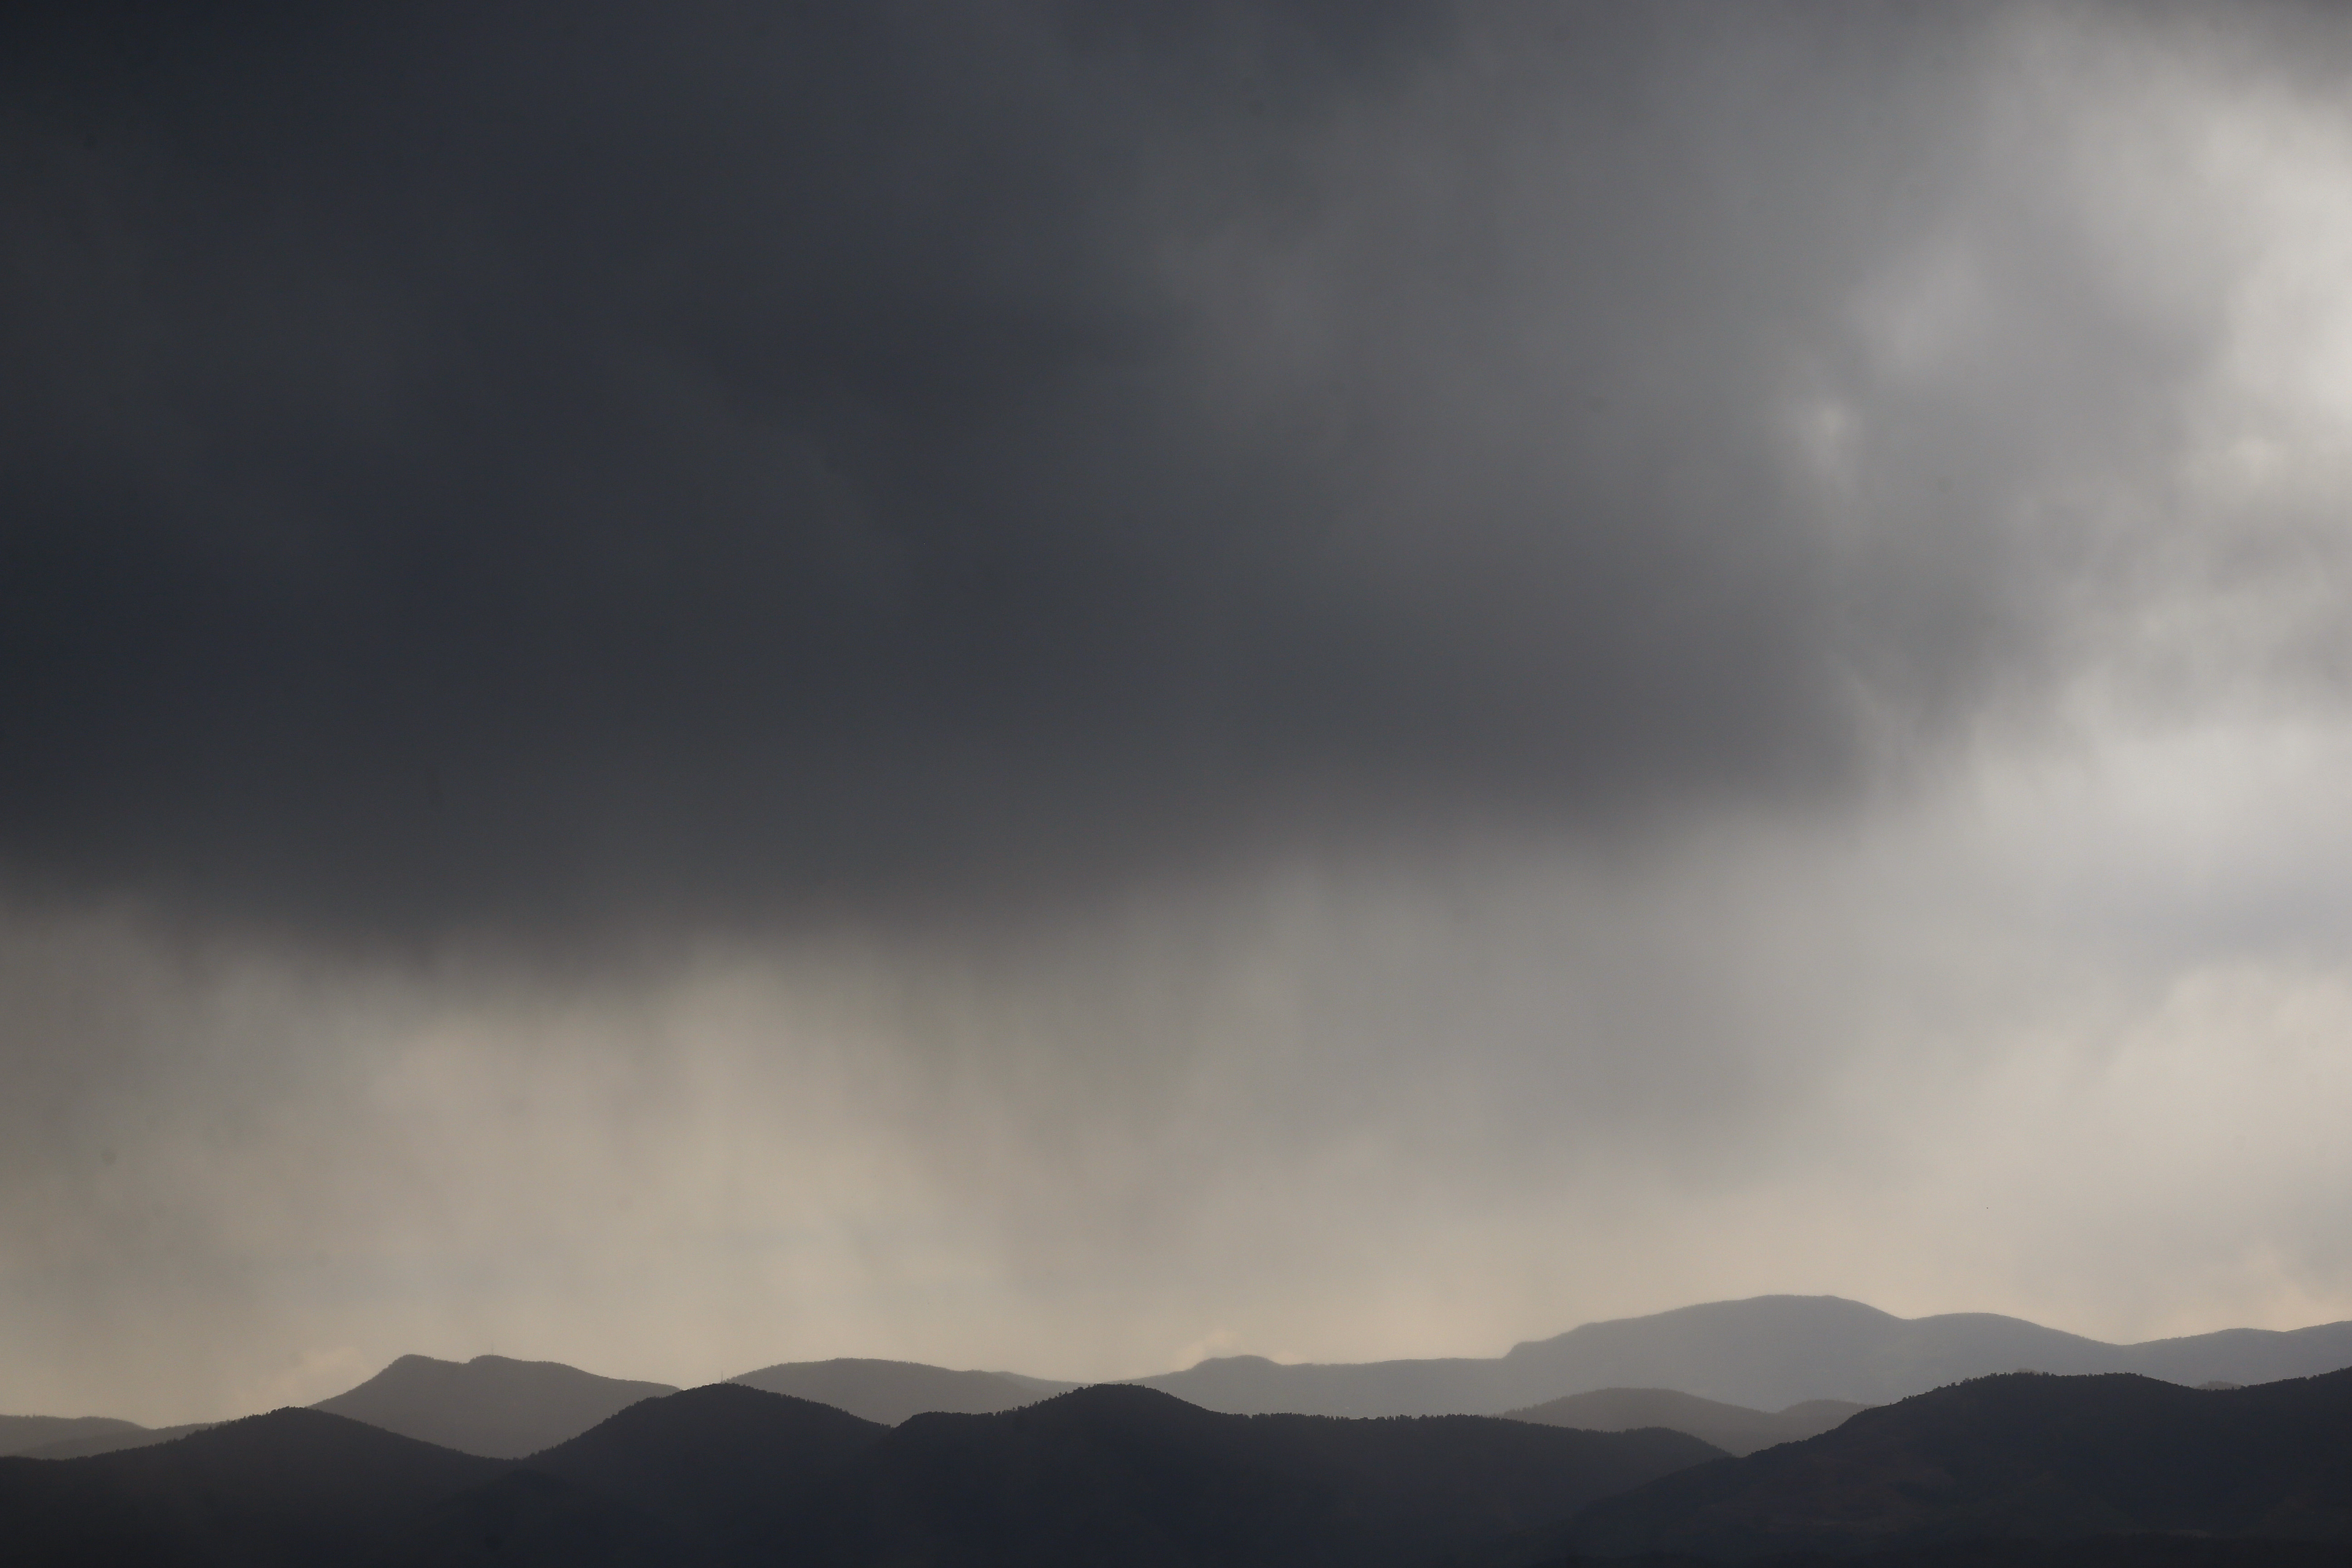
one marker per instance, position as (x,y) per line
(1066,687)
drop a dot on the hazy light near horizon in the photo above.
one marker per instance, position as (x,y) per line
(2035,1046)
(1953,912)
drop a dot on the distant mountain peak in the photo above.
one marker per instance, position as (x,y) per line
(492,1406)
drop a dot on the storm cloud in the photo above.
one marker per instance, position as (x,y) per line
(490,468)
(1327,678)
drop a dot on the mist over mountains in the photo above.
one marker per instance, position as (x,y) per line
(1754,1362)
(716,683)
(1059,684)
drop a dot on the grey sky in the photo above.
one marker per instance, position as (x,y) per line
(1066,687)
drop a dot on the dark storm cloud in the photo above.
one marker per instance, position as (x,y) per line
(512,464)
(1585,657)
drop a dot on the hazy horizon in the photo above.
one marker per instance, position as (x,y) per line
(339,1375)
(1062,688)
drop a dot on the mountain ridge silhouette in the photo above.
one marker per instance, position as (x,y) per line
(1763,1354)
(727,1475)
(2020,1455)
(2017,1471)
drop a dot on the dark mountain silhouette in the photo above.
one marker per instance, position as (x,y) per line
(20,1433)
(2023,1470)
(1121,1474)
(492,1407)
(890,1391)
(719,1474)
(294,1487)
(1767,1353)
(626,1472)
(2020,1456)
(727,1469)
(729,1474)
(1734,1429)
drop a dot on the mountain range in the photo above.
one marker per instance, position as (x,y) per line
(2019,1471)
(727,1474)
(1739,1374)
(1766,1352)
